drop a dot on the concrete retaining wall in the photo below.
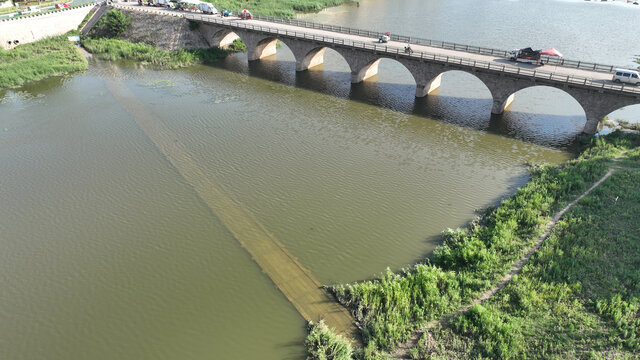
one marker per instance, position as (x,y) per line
(38,27)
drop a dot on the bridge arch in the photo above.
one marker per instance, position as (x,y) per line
(458,96)
(470,80)
(628,114)
(223,38)
(548,111)
(595,105)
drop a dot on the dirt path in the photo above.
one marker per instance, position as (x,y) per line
(403,350)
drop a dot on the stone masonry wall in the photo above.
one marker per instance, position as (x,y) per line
(164,32)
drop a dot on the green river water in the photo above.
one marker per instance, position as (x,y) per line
(109,253)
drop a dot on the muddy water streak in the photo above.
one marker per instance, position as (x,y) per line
(296,283)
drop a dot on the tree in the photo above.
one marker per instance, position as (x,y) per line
(116,22)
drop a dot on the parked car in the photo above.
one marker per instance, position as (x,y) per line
(30,10)
(626,76)
(62,5)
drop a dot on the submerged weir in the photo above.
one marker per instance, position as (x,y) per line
(299,286)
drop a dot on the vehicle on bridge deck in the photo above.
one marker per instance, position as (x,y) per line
(165,3)
(208,8)
(226,12)
(29,10)
(189,5)
(626,76)
(526,55)
(245,15)
(384,38)
(62,5)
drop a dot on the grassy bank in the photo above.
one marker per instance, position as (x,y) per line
(578,298)
(280,8)
(38,60)
(114,49)
(472,260)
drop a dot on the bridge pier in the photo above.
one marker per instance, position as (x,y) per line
(365,72)
(591,126)
(500,105)
(261,49)
(313,58)
(433,85)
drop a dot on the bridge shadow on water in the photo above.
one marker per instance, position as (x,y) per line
(554,130)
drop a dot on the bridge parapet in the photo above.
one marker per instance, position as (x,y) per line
(551,60)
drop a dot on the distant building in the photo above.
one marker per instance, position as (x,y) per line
(6,4)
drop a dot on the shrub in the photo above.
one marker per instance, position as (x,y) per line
(115,22)
(324,344)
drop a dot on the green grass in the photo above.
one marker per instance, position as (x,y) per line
(39,60)
(323,344)
(114,49)
(280,8)
(579,296)
(471,260)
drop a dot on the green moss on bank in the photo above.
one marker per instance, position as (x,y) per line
(35,61)
(472,260)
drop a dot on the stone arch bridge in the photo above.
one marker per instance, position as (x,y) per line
(588,83)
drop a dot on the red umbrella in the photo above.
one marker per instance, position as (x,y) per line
(551,52)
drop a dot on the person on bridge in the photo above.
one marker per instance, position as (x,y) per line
(408,49)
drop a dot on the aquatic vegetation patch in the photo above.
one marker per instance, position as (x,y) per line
(158,84)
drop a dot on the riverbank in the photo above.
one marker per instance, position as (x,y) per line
(55,56)
(578,297)
(472,260)
(279,8)
(115,49)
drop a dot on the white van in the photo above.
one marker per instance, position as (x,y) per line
(30,10)
(208,8)
(626,76)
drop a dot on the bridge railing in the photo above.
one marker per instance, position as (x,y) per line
(552,60)
(393,51)
(377,34)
